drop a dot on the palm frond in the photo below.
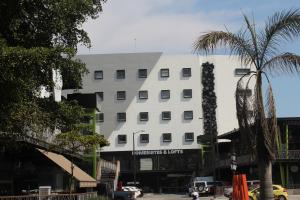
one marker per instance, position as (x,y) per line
(288,63)
(282,25)
(245,115)
(251,29)
(235,42)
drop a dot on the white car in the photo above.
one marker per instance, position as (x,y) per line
(137,191)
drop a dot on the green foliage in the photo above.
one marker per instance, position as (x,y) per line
(37,36)
(74,141)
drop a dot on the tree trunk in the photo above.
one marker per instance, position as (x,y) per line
(263,160)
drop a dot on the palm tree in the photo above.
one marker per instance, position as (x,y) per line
(262,51)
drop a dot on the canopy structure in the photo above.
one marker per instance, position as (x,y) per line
(84,179)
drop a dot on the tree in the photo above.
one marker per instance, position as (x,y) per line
(260,50)
(37,37)
(75,142)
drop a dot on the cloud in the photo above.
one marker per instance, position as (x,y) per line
(169,26)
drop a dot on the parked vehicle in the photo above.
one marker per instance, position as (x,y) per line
(137,191)
(204,187)
(279,192)
(123,195)
(199,184)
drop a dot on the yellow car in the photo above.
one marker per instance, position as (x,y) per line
(279,192)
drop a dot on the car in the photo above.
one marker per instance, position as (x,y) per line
(137,191)
(204,187)
(279,192)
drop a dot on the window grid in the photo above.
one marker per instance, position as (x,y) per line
(188,114)
(189,137)
(144,116)
(167,137)
(164,73)
(122,139)
(187,93)
(166,115)
(121,95)
(98,75)
(144,138)
(165,94)
(186,72)
(121,117)
(143,94)
(100,117)
(121,74)
(142,73)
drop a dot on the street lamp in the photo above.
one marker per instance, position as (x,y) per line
(133,153)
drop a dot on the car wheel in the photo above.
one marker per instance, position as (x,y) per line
(281,198)
(200,189)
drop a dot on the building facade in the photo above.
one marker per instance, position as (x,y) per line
(151,104)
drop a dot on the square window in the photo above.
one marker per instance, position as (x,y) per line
(122,139)
(98,75)
(121,117)
(241,71)
(165,94)
(121,74)
(143,94)
(121,95)
(188,114)
(143,116)
(166,115)
(189,137)
(99,96)
(100,117)
(167,137)
(164,72)
(187,93)
(142,73)
(186,72)
(144,138)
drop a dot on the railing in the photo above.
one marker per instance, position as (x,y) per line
(78,196)
(289,155)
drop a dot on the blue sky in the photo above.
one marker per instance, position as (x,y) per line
(171,26)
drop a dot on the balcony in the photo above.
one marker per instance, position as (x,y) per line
(289,155)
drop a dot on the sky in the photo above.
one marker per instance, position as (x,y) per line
(172,26)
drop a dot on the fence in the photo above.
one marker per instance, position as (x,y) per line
(77,196)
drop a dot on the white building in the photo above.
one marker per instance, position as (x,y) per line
(158,97)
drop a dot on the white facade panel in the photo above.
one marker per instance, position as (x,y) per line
(154,105)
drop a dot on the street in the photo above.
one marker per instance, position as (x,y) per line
(151,196)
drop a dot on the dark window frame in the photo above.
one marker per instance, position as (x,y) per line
(185,93)
(185,115)
(187,139)
(100,117)
(98,76)
(163,71)
(164,117)
(241,71)
(142,73)
(186,72)
(144,140)
(169,137)
(123,118)
(121,95)
(167,92)
(101,95)
(122,140)
(121,74)
(143,91)
(144,119)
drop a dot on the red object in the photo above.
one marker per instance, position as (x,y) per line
(240,187)
(119,186)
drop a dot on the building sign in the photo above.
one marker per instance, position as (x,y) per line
(159,152)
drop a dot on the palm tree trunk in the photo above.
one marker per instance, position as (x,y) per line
(264,162)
